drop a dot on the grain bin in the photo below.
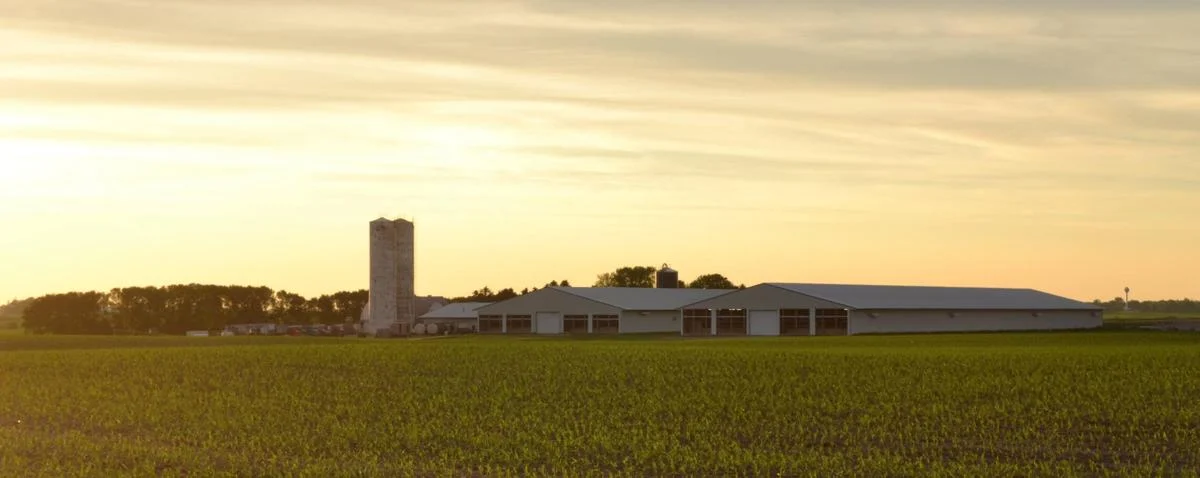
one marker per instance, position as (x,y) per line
(667,278)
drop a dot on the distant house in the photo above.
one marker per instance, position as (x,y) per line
(197,333)
(461,315)
(251,329)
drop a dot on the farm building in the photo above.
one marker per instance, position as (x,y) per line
(587,310)
(832,309)
(460,315)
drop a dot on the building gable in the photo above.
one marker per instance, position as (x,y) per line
(548,300)
(765,296)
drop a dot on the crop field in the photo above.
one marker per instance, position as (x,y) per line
(10,324)
(1122,403)
(1150,316)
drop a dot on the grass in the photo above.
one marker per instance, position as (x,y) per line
(10,322)
(1146,316)
(1130,320)
(1039,404)
(20,341)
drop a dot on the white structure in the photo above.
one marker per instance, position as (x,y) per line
(584,310)
(392,295)
(831,309)
(460,316)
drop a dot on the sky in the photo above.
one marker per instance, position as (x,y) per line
(1047,144)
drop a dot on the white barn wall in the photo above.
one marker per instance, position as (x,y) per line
(921,321)
(633,322)
(458,323)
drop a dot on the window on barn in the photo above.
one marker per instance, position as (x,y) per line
(793,322)
(731,322)
(697,322)
(490,324)
(520,324)
(605,324)
(575,324)
(832,321)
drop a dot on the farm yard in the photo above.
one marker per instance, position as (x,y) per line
(1019,404)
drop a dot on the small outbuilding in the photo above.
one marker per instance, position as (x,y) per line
(460,315)
(836,309)
(591,310)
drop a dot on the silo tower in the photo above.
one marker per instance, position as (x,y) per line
(392,295)
(667,278)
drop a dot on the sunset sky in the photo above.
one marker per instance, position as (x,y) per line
(1045,144)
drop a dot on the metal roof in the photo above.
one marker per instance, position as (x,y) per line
(922,297)
(459,310)
(641,298)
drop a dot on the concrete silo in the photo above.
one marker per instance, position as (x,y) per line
(392,296)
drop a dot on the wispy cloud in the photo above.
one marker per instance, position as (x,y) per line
(1066,116)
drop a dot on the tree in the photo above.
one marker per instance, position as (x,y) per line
(247,305)
(482,295)
(289,308)
(349,305)
(137,309)
(711,281)
(15,308)
(636,276)
(178,308)
(71,313)
(322,311)
(504,294)
(190,307)
(564,283)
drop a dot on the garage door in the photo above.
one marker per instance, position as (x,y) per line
(549,323)
(764,322)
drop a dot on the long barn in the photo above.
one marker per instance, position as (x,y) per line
(785,309)
(836,309)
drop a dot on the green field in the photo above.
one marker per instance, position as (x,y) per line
(1038,404)
(10,323)
(1151,315)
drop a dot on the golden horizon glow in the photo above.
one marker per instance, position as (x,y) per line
(1051,146)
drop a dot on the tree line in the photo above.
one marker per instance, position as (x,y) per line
(644,276)
(630,276)
(176,309)
(486,294)
(10,313)
(1172,306)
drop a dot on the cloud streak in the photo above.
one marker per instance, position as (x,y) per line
(1072,117)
